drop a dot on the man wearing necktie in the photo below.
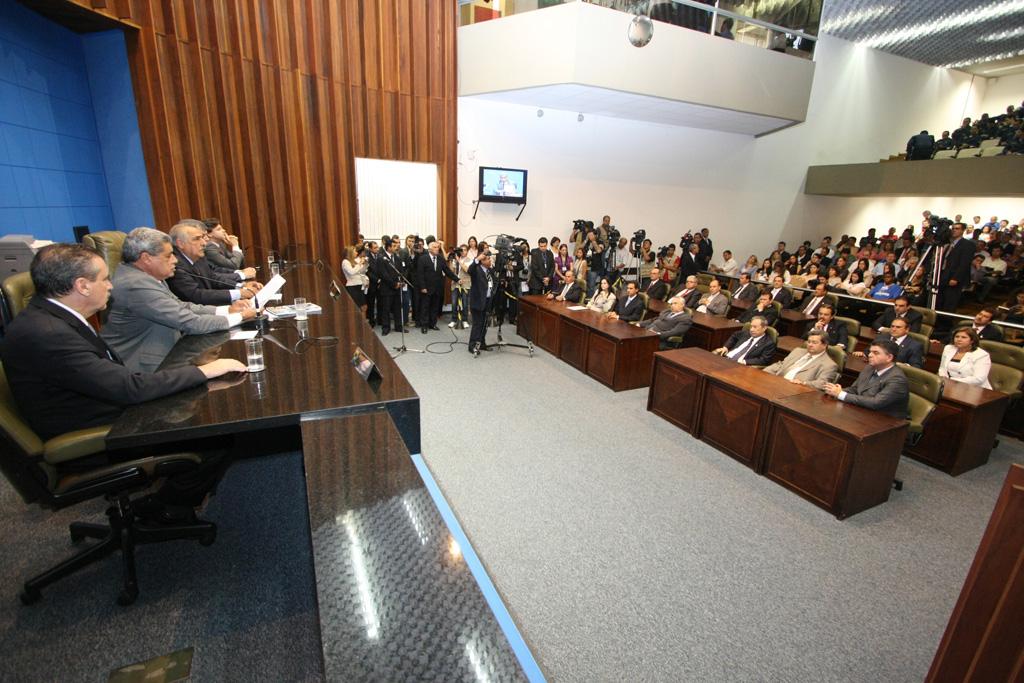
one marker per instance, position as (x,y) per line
(674,322)
(63,376)
(389,289)
(430,273)
(481,295)
(750,347)
(542,268)
(811,365)
(881,385)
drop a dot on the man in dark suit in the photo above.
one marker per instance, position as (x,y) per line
(569,291)
(745,290)
(836,330)
(908,349)
(542,268)
(881,385)
(389,288)
(920,146)
(430,273)
(956,270)
(764,308)
(481,294)
(984,327)
(811,302)
(689,262)
(373,257)
(64,377)
(194,279)
(900,309)
(629,307)
(688,292)
(657,288)
(779,292)
(672,322)
(750,347)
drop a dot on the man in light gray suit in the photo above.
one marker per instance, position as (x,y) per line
(714,302)
(811,366)
(146,319)
(672,322)
(881,386)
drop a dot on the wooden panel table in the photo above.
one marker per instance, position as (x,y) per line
(677,385)
(840,457)
(793,322)
(959,435)
(614,353)
(708,332)
(734,413)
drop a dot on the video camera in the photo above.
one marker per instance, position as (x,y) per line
(507,245)
(941,229)
(636,243)
(584,225)
(613,235)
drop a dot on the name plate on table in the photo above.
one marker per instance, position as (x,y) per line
(365,367)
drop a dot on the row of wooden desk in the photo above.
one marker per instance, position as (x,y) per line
(840,457)
(961,432)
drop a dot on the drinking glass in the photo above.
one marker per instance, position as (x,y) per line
(254,354)
(271,259)
(300,308)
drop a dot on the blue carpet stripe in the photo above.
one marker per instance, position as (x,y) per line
(490,593)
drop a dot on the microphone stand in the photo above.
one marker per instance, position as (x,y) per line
(401,328)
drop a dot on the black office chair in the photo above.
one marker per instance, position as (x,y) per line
(32,467)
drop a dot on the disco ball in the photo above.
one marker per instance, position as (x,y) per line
(641,30)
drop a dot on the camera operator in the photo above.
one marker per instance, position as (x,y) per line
(481,295)
(509,269)
(580,228)
(459,261)
(604,229)
(596,267)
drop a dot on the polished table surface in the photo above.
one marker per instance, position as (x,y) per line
(396,598)
(304,379)
(677,385)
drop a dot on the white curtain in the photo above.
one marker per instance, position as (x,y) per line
(396,198)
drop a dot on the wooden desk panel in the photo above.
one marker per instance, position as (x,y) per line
(735,414)
(677,385)
(633,360)
(840,457)
(573,343)
(547,330)
(710,332)
(793,323)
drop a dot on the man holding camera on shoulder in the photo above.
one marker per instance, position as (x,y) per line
(481,294)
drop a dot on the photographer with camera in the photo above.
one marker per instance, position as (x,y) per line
(481,296)
(510,272)
(596,268)
(578,236)
(459,261)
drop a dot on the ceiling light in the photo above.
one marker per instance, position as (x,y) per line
(996,10)
(1003,35)
(852,19)
(988,58)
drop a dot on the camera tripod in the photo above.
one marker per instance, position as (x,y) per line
(402,348)
(501,343)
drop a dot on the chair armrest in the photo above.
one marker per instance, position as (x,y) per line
(77,444)
(121,475)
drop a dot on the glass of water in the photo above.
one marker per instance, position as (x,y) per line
(301,308)
(271,259)
(254,354)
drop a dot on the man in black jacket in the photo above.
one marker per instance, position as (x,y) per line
(838,335)
(481,295)
(194,278)
(64,377)
(431,270)
(389,288)
(956,270)
(908,349)
(629,307)
(881,385)
(900,309)
(542,268)
(750,347)
(920,146)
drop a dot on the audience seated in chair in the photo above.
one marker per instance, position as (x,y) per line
(750,347)
(881,385)
(672,322)
(809,365)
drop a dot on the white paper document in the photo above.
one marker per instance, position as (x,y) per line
(244,334)
(269,291)
(577,308)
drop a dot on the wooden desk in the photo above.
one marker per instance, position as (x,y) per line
(677,385)
(793,322)
(840,457)
(959,435)
(614,353)
(734,413)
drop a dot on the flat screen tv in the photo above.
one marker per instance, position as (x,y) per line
(504,185)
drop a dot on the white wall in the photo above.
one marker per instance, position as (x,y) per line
(1001,92)
(864,105)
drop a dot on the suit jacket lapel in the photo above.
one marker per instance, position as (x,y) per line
(83,331)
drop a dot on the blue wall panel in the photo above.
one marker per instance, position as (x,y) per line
(69,139)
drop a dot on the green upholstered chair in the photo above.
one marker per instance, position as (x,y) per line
(18,291)
(927,316)
(33,468)
(704,279)
(925,391)
(109,244)
(1004,354)
(852,332)
(923,338)
(838,356)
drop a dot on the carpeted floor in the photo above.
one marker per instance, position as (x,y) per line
(627,550)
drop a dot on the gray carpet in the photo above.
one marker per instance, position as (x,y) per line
(627,550)
(247,604)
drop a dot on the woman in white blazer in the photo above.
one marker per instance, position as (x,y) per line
(963,361)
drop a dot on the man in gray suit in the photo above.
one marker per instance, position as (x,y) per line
(714,302)
(881,386)
(672,322)
(146,319)
(811,366)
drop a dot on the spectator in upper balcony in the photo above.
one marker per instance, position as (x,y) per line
(920,146)
(725,31)
(985,124)
(945,142)
(1016,145)
(962,132)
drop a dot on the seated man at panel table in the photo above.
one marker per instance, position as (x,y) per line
(983,326)
(63,376)
(779,292)
(909,350)
(629,307)
(811,365)
(714,302)
(750,347)
(745,290)
(222,250)
(836,330)
(729,267)
(900,309)
(195,279)
(657,288)
(810,303)
(688,291)
(146,319)
(568,291)
(672,322)
(881,385)
(764,308)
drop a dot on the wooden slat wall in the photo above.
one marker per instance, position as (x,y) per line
(254,110)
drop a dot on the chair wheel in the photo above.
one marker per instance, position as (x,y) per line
(128,595)
(76,536)
(208,539)
(30,596)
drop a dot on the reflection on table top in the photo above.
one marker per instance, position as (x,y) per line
(303,377)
